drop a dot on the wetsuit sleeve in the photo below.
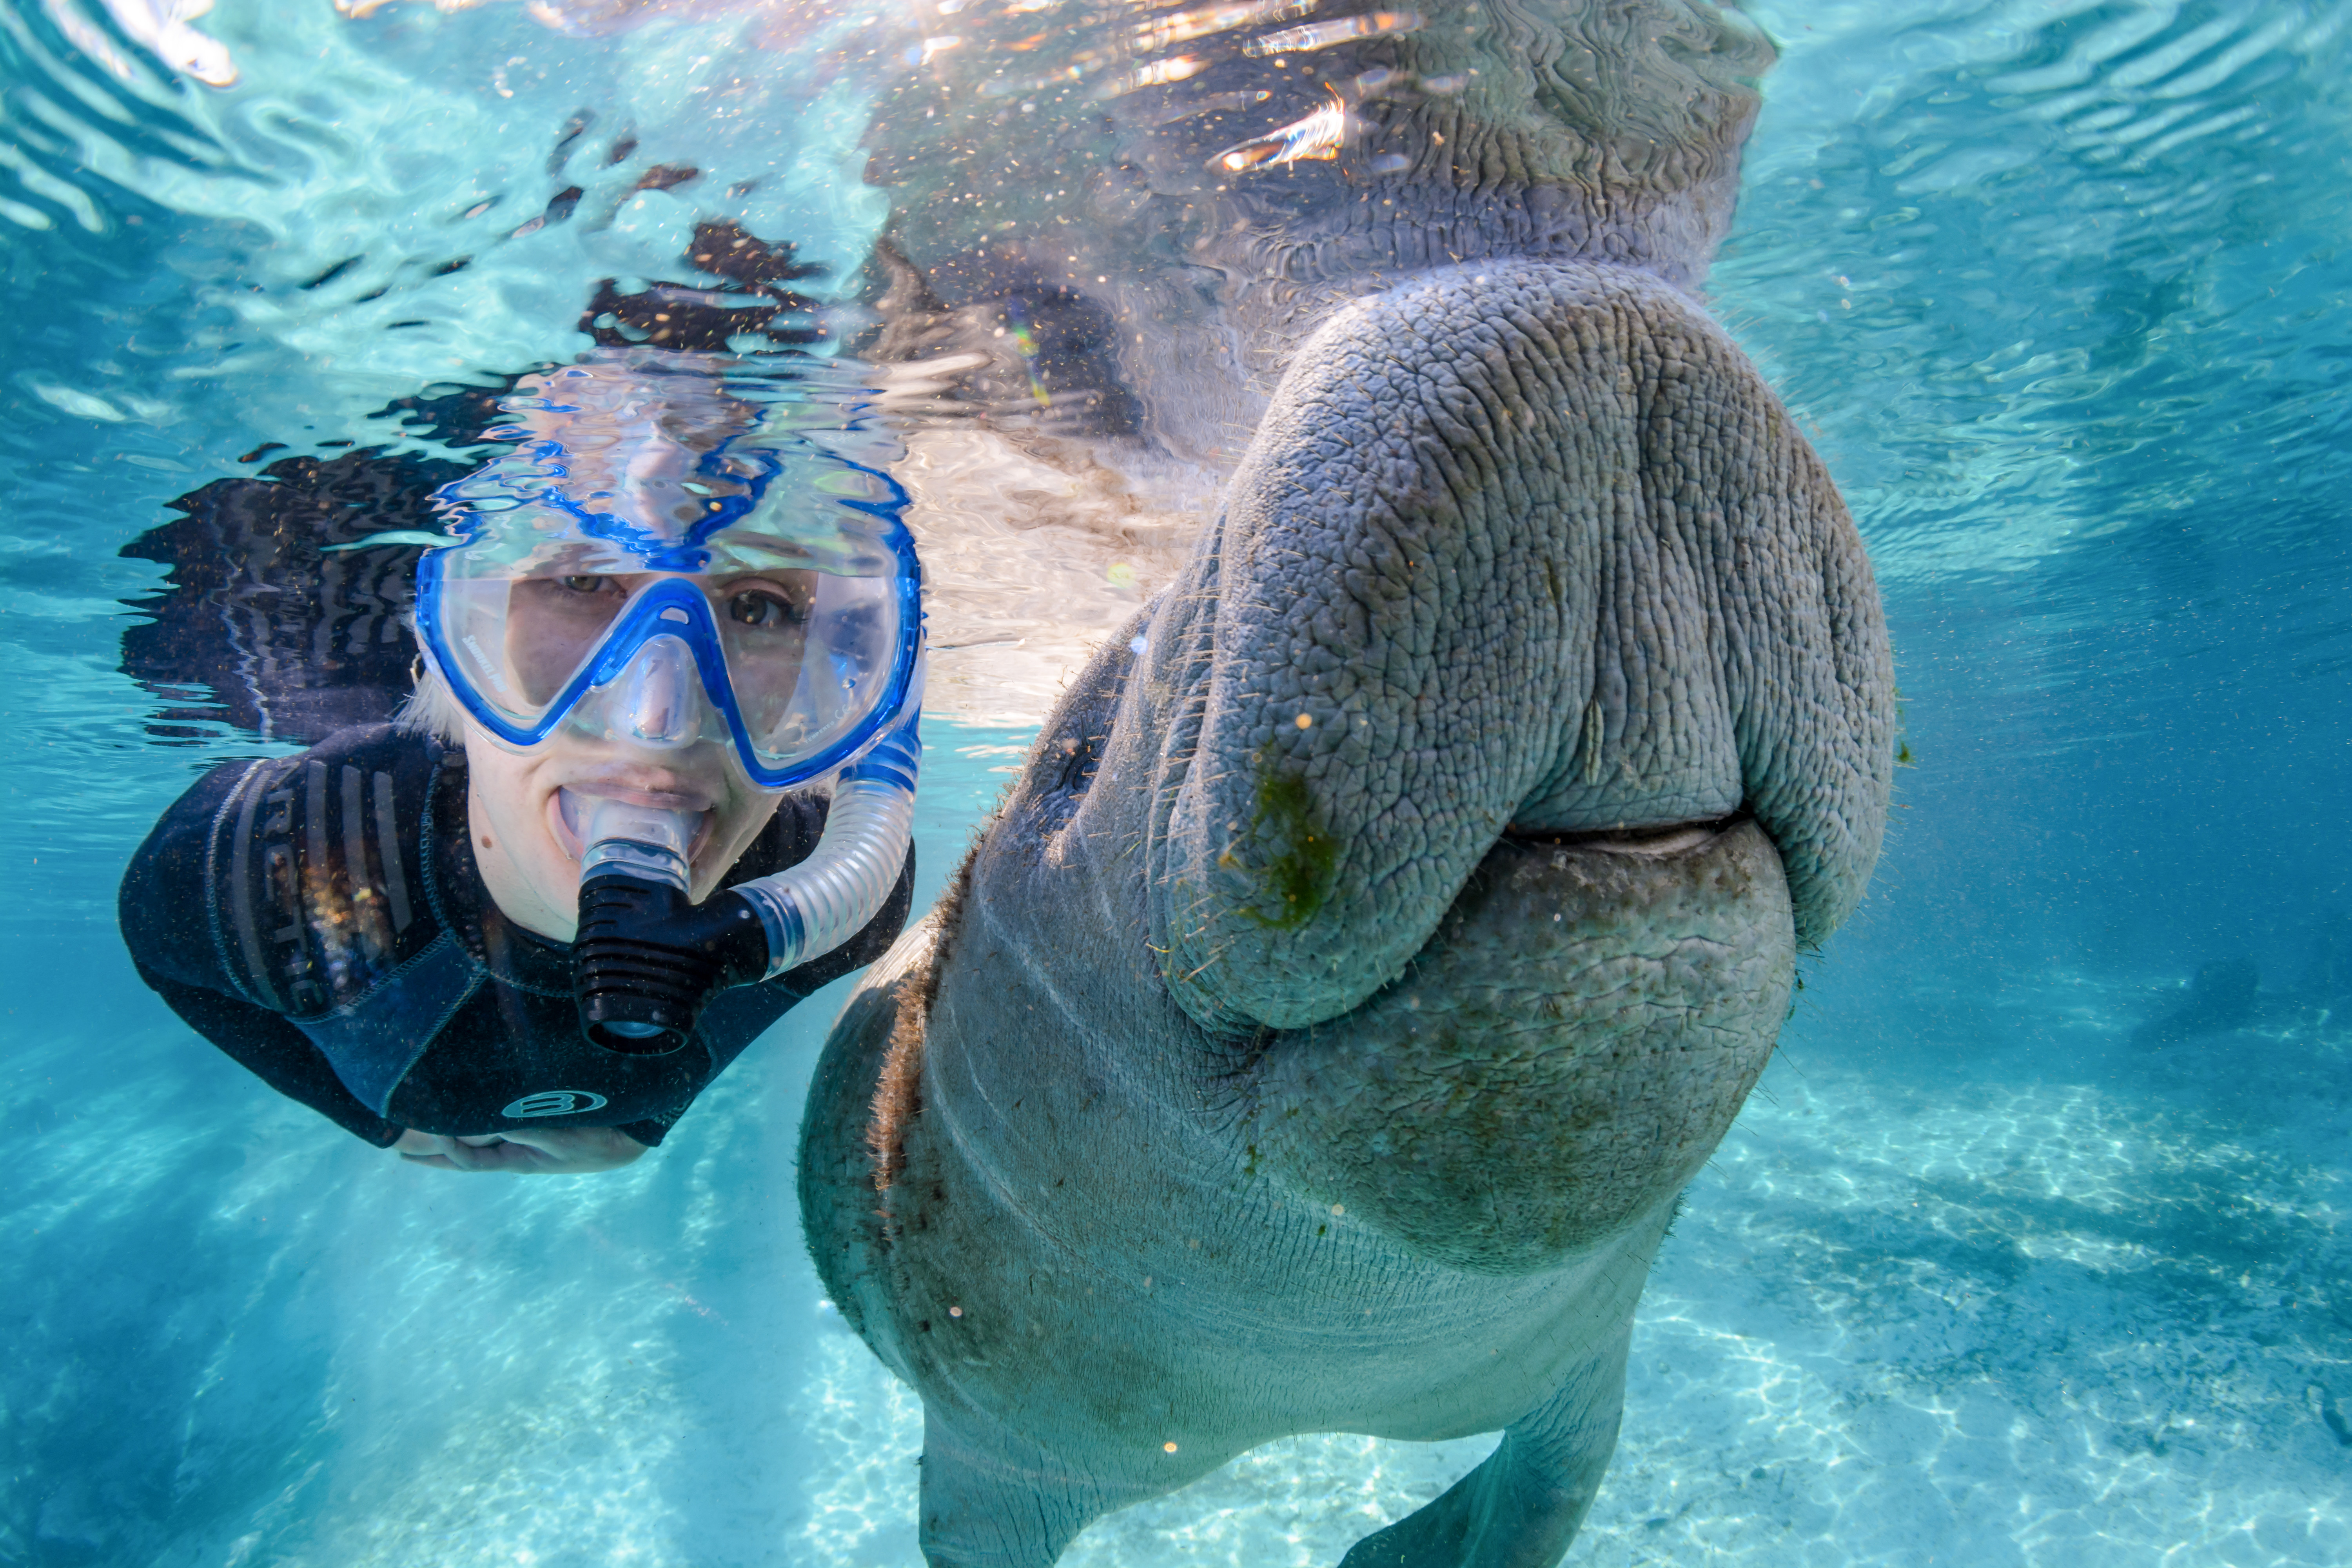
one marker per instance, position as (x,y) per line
(274,1051)
(167,913)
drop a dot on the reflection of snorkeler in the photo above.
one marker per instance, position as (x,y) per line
(662,618)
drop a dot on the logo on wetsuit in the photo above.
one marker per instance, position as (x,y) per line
(554,1103)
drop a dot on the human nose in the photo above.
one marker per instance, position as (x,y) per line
(660,694)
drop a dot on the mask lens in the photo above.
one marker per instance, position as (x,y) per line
(765,629)
(816,668)
(763,622)
(552,626)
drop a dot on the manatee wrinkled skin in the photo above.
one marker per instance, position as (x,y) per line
(1389,922)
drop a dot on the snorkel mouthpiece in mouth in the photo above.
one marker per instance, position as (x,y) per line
(645,841)
(645,960)
(648,959)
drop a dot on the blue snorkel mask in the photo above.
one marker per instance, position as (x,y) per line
(664,560)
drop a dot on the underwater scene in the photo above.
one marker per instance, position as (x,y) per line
(2027,1245)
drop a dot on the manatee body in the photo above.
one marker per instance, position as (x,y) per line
(1395,912)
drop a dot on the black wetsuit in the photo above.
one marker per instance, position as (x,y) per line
(320,918)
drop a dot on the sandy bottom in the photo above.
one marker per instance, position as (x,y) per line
(2014,1291)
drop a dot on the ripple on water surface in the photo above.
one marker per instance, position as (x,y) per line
(2056,289)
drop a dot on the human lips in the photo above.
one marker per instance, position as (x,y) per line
(567,807)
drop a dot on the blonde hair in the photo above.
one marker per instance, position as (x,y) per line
(432,709)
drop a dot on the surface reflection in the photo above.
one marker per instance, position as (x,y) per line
(2058,292)
(1112,226)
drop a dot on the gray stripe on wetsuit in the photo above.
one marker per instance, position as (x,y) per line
(354,825)
(213,880)
(240,887)
(387,843)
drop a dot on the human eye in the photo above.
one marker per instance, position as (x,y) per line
(766,606)
(575,597)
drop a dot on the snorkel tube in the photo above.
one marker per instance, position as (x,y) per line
(646,960)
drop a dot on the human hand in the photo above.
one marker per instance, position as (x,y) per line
(543,1152)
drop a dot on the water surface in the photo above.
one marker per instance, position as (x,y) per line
(1995,1267)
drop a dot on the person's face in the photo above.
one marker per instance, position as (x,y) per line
(647,739)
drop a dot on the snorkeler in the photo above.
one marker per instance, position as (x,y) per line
(524,925)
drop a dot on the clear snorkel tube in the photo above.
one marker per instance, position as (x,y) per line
(811,909)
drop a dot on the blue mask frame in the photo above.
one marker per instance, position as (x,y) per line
(642,622)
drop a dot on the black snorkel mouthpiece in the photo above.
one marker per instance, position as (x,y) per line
(645,960)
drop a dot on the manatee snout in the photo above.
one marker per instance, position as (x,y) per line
(1520,553)
(1560,1057)
(1527,546)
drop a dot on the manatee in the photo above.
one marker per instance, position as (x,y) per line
(1395,912)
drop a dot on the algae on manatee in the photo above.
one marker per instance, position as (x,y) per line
(1299,854)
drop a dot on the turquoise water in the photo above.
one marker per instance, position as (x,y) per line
(1987,1272)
